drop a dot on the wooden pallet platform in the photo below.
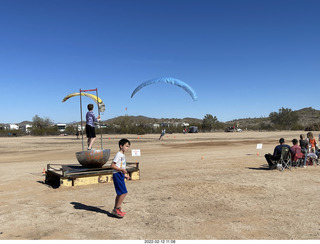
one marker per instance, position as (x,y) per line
(76,175)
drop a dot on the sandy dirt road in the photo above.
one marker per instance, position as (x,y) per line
(202,186)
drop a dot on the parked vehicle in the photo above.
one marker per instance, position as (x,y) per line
(193,129)
(232,129)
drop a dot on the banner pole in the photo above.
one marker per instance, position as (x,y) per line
(81,120)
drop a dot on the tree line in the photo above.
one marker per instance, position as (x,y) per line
(284,119)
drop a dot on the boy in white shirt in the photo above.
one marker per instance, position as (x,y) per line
(119,174)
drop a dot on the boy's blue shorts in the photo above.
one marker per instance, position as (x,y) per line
(119,184)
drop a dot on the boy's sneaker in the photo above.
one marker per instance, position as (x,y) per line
(117,212)
(123,213)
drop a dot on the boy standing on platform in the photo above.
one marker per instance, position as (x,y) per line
(90,128)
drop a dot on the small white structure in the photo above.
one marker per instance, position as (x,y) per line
(26,128)
(156,125)
(61,127)
(13,127)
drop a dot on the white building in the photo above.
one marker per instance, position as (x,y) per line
(26,128)
(13,127)
(156,125)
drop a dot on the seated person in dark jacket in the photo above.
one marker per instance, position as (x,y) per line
(277,154)
(303,144)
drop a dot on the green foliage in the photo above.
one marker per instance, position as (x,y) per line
(43,127)
(41,122)
(71,130)
(265,126)
(284,119)
(210,123)
(129,126)
(49,131)
(5,133)
(313,127)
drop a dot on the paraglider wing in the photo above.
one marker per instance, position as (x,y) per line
(93,97)
(101,105)
(168,80)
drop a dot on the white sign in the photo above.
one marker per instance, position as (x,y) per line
(259,146)
(136,152)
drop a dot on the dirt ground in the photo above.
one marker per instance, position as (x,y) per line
(203,186)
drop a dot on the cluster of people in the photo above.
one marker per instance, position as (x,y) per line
(299,150)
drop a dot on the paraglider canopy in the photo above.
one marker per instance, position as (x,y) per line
(168,80)
(100,103)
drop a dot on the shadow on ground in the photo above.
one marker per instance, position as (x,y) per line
(262,167)
(82,206)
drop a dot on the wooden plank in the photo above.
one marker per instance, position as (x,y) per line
(56,175)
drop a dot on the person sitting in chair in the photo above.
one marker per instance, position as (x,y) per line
(297,151)
(276,154)
(304,144)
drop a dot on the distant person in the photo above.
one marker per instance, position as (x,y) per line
(312,142)
(119,174)
(78,133)
(90,128)
(163,132)
(271,159)
(304,147)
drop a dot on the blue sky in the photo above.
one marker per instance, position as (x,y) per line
(244,58)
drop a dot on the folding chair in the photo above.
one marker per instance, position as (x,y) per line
(298,160)
(285,159)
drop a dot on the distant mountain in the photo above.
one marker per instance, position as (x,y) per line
(306,118)
(251,123)
(26,123)
(20,124)
(143,119)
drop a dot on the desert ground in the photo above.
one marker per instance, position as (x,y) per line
(204,186)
